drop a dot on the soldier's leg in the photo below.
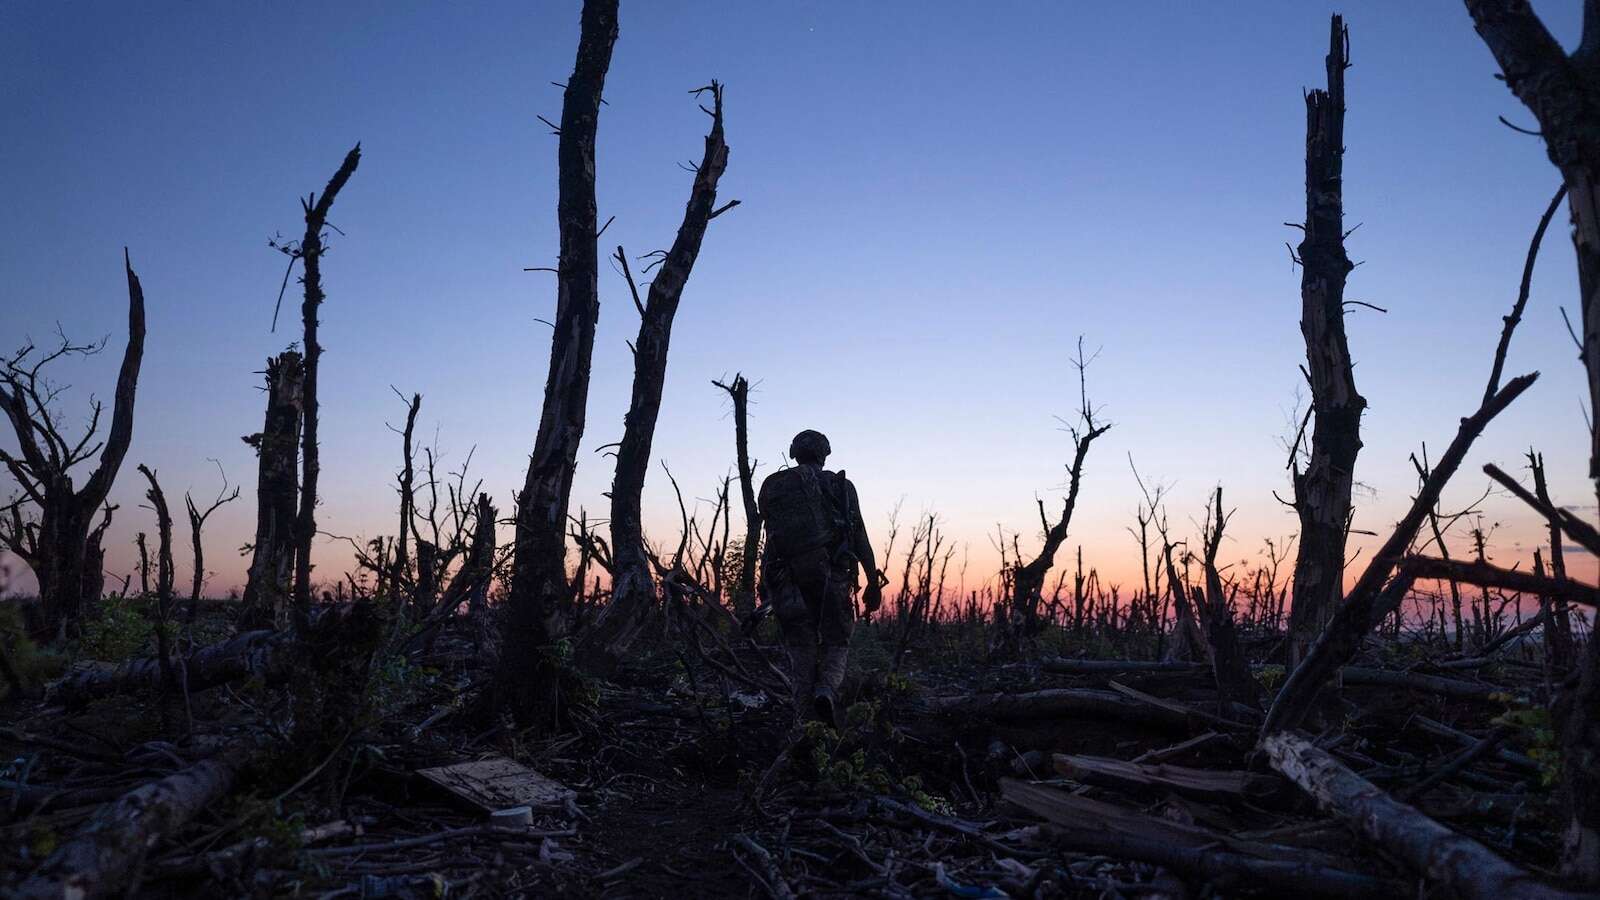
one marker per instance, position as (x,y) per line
(799,637)
(836,621)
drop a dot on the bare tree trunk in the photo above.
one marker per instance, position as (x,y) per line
(471,582)
(1563,93)
(271,576)
(197,523)
(633,588)
(1228,664)
(1558,626)
(310,254)
(1322,491)
(539,589)
(402,554)
(56,550)
(744,596)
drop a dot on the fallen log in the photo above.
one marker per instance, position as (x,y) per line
(1360,675)
(1058,702)
(1432,684)
(261,654)
(1079,823)
(1202,784)
(1175,709)
(1439,729)
(99,858)
(1464,867)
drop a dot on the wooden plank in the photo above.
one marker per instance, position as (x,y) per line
(497,783)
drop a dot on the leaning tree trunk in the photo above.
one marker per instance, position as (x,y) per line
(316,210)
(633,588)
(539,589)
(1322,491)
(1563,93)
(271,577)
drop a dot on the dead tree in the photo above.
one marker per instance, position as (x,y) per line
(1228,663)
(54,544)
(164,576)
(633,590)
(539,589)
(1558,625)
(1375,594)
(197,521)
(271,576)
(744,592)
(1027,584)
(1322,491)
(309,253)
(1563,93)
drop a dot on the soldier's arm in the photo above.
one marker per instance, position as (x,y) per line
(859,545)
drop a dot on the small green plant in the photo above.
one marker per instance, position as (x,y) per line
(1270,676)
(1538,732)
(116,631)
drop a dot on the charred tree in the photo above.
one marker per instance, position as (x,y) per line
(633,589)
(55,544)
(1563,93)
(309,252)
(744,591)
(1228,663)
(197,522)
(1027,585)
(539,589)
(164,576)
(1322,491)
(271,575)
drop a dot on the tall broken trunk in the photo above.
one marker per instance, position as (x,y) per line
(744,592)
(470,584)
(1563,93)
(271,576)
(57,549)
(633,587)
(528,665)
(310,254)
(1322,491)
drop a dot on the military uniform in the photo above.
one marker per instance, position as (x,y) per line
(816,541)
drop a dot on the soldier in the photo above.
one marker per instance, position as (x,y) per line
(815,542)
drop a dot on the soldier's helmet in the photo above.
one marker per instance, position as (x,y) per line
(809,446)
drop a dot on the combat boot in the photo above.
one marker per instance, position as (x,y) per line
(830,675)
(802,676)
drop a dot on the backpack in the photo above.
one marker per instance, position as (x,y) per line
(803,510)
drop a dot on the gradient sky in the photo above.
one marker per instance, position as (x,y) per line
(938,198)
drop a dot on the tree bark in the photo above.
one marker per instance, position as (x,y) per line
(316,214)
(1322,491)
(1461,865)
(633,589)
(539,590)
(271,576)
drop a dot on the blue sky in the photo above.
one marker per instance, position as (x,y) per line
(938,198)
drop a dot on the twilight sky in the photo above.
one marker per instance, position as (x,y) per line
(938,198)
